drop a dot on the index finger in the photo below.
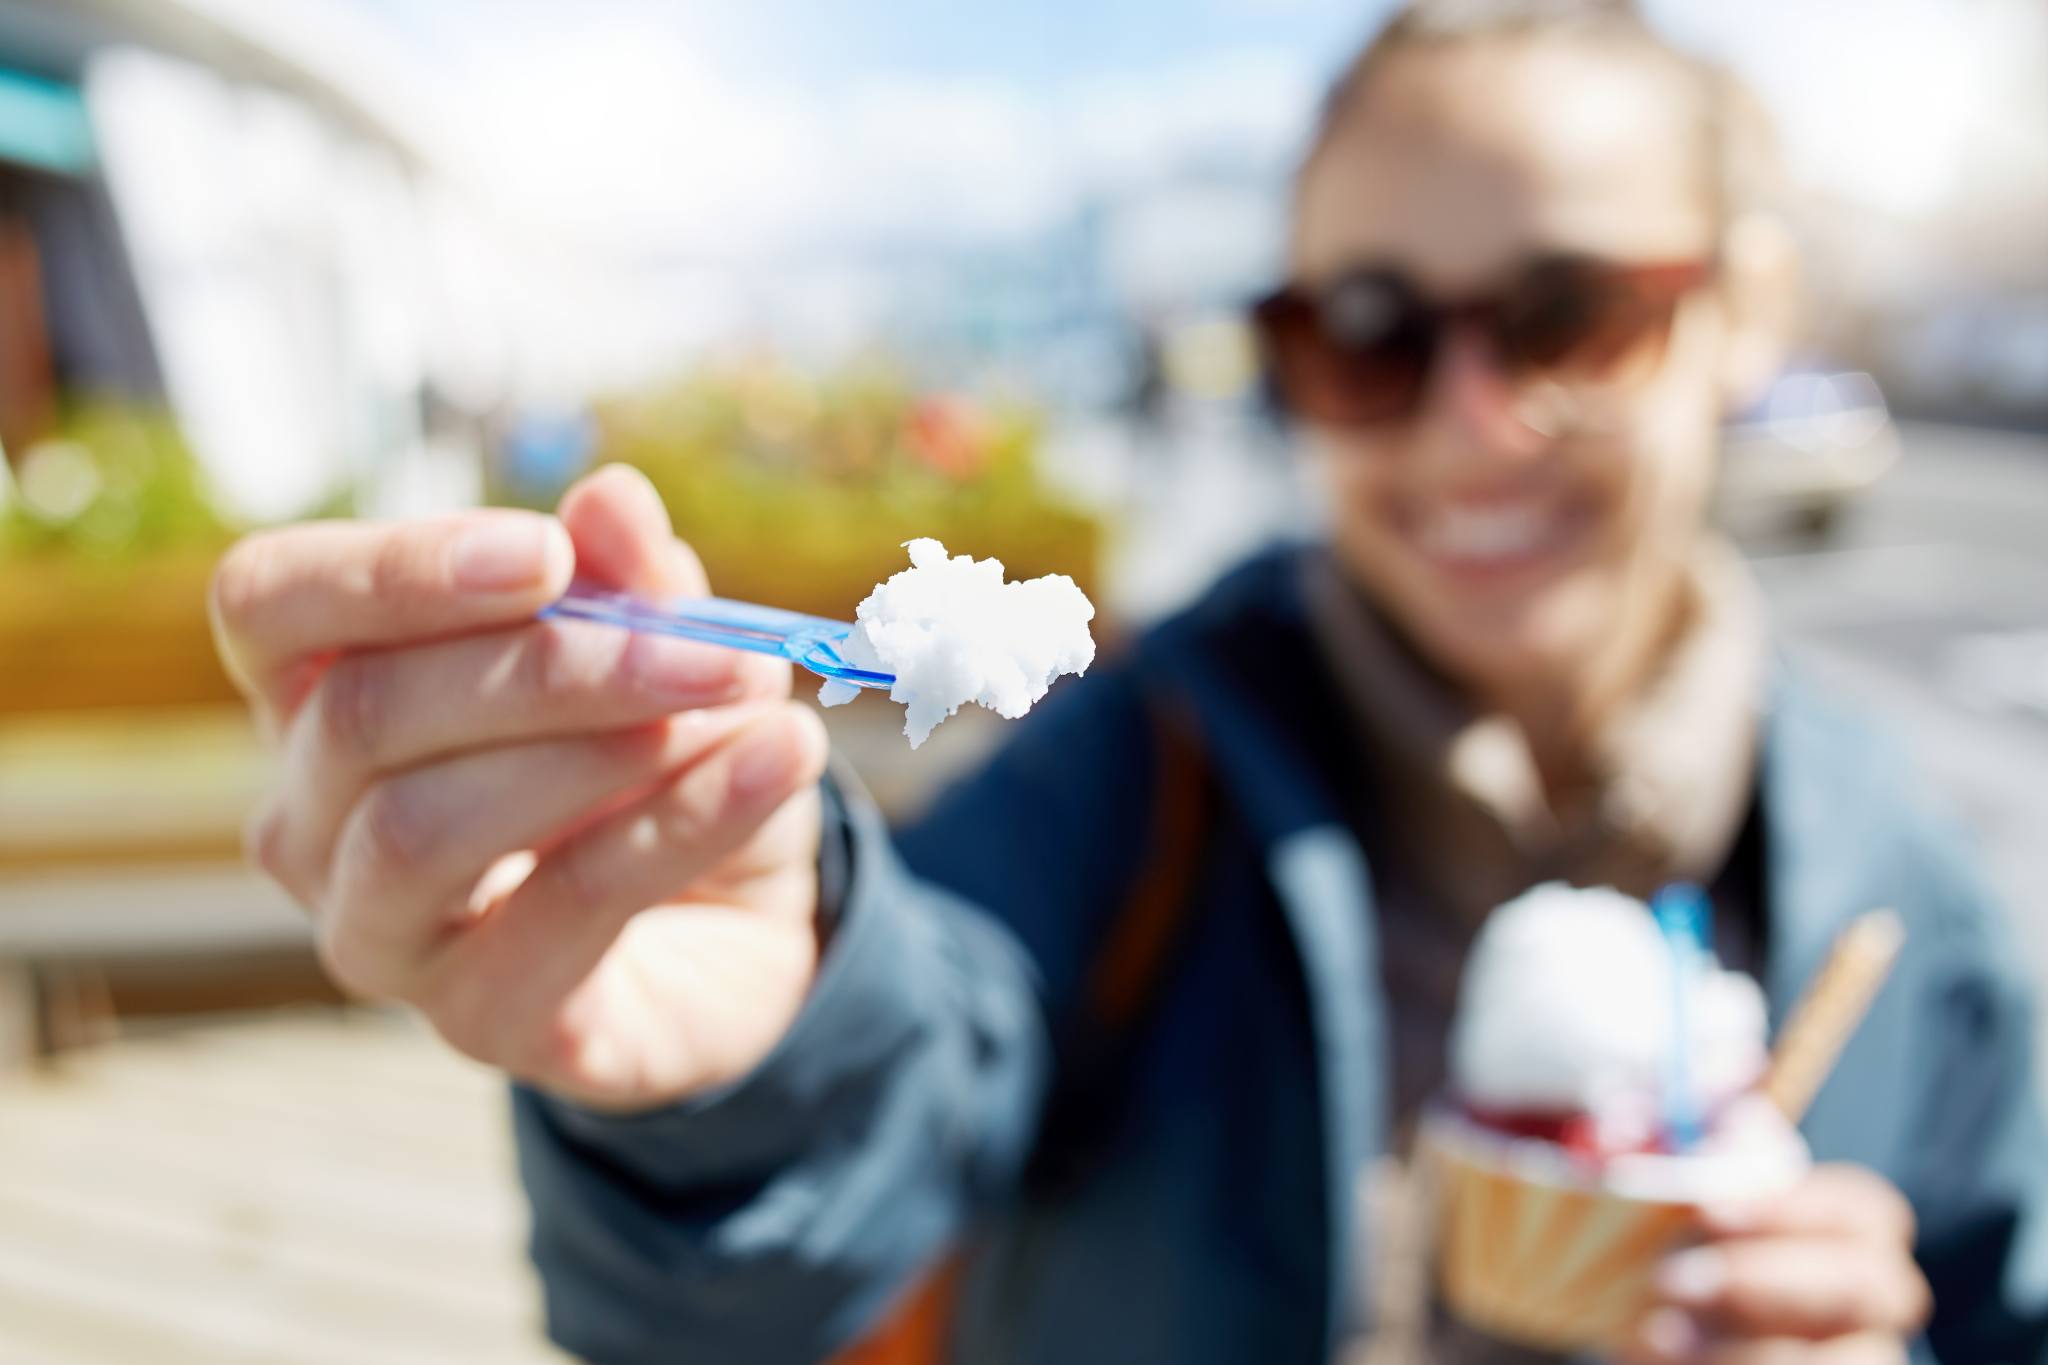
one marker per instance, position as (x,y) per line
(281,598)
(1834,1199)
(1814,1288)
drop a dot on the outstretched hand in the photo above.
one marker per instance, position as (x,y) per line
(587,857)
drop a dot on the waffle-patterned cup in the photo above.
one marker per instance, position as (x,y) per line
(1537,1247)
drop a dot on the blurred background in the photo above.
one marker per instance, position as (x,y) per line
(833,276)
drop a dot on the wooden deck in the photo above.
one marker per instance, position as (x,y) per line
(320,1186)
(317,1187)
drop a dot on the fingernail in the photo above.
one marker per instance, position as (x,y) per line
(1671,1334)
(1730,1219)
(506,554)
(762,762)
(1693,1279)
(679,669)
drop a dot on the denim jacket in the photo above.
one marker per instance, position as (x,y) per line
(904,1117)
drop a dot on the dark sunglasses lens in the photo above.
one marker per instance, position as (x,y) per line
(1353,356)
(1580,322)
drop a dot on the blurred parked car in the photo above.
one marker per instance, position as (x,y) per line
(1982,357)
(1815,442)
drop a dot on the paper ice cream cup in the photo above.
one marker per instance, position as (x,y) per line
(1537,1246)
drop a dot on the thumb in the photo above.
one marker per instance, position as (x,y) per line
(623,538)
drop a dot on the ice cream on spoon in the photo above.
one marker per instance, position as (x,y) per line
(944,632)
(952,632)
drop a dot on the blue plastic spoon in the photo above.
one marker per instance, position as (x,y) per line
(810,641)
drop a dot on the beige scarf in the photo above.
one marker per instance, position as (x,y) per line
(1673,769)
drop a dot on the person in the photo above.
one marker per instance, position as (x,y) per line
(1111,1055)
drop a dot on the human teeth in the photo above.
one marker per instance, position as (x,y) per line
(1485,533)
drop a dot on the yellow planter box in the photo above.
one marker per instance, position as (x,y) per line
(81,633)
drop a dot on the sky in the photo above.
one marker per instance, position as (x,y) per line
(738,128)
(769,166)
(735,130)
(1039,45)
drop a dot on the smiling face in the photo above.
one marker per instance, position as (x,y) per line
(1505,553)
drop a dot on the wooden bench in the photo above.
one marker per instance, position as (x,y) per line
(121,884)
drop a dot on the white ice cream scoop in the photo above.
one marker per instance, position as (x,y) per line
(952,632)
(1566,1008)
(942,633)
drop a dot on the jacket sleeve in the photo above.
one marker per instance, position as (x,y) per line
(776,1219)
(1980,1171)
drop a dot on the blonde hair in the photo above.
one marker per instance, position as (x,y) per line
(1737,146)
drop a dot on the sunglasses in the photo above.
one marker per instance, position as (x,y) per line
(1358,351)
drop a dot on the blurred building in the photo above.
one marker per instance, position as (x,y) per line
(1083,313)
(243,207)
(232,210)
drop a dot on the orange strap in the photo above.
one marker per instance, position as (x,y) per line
(1133,953)
(1119,986)
(915,1332)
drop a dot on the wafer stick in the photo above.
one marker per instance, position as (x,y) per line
(1831,1009)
